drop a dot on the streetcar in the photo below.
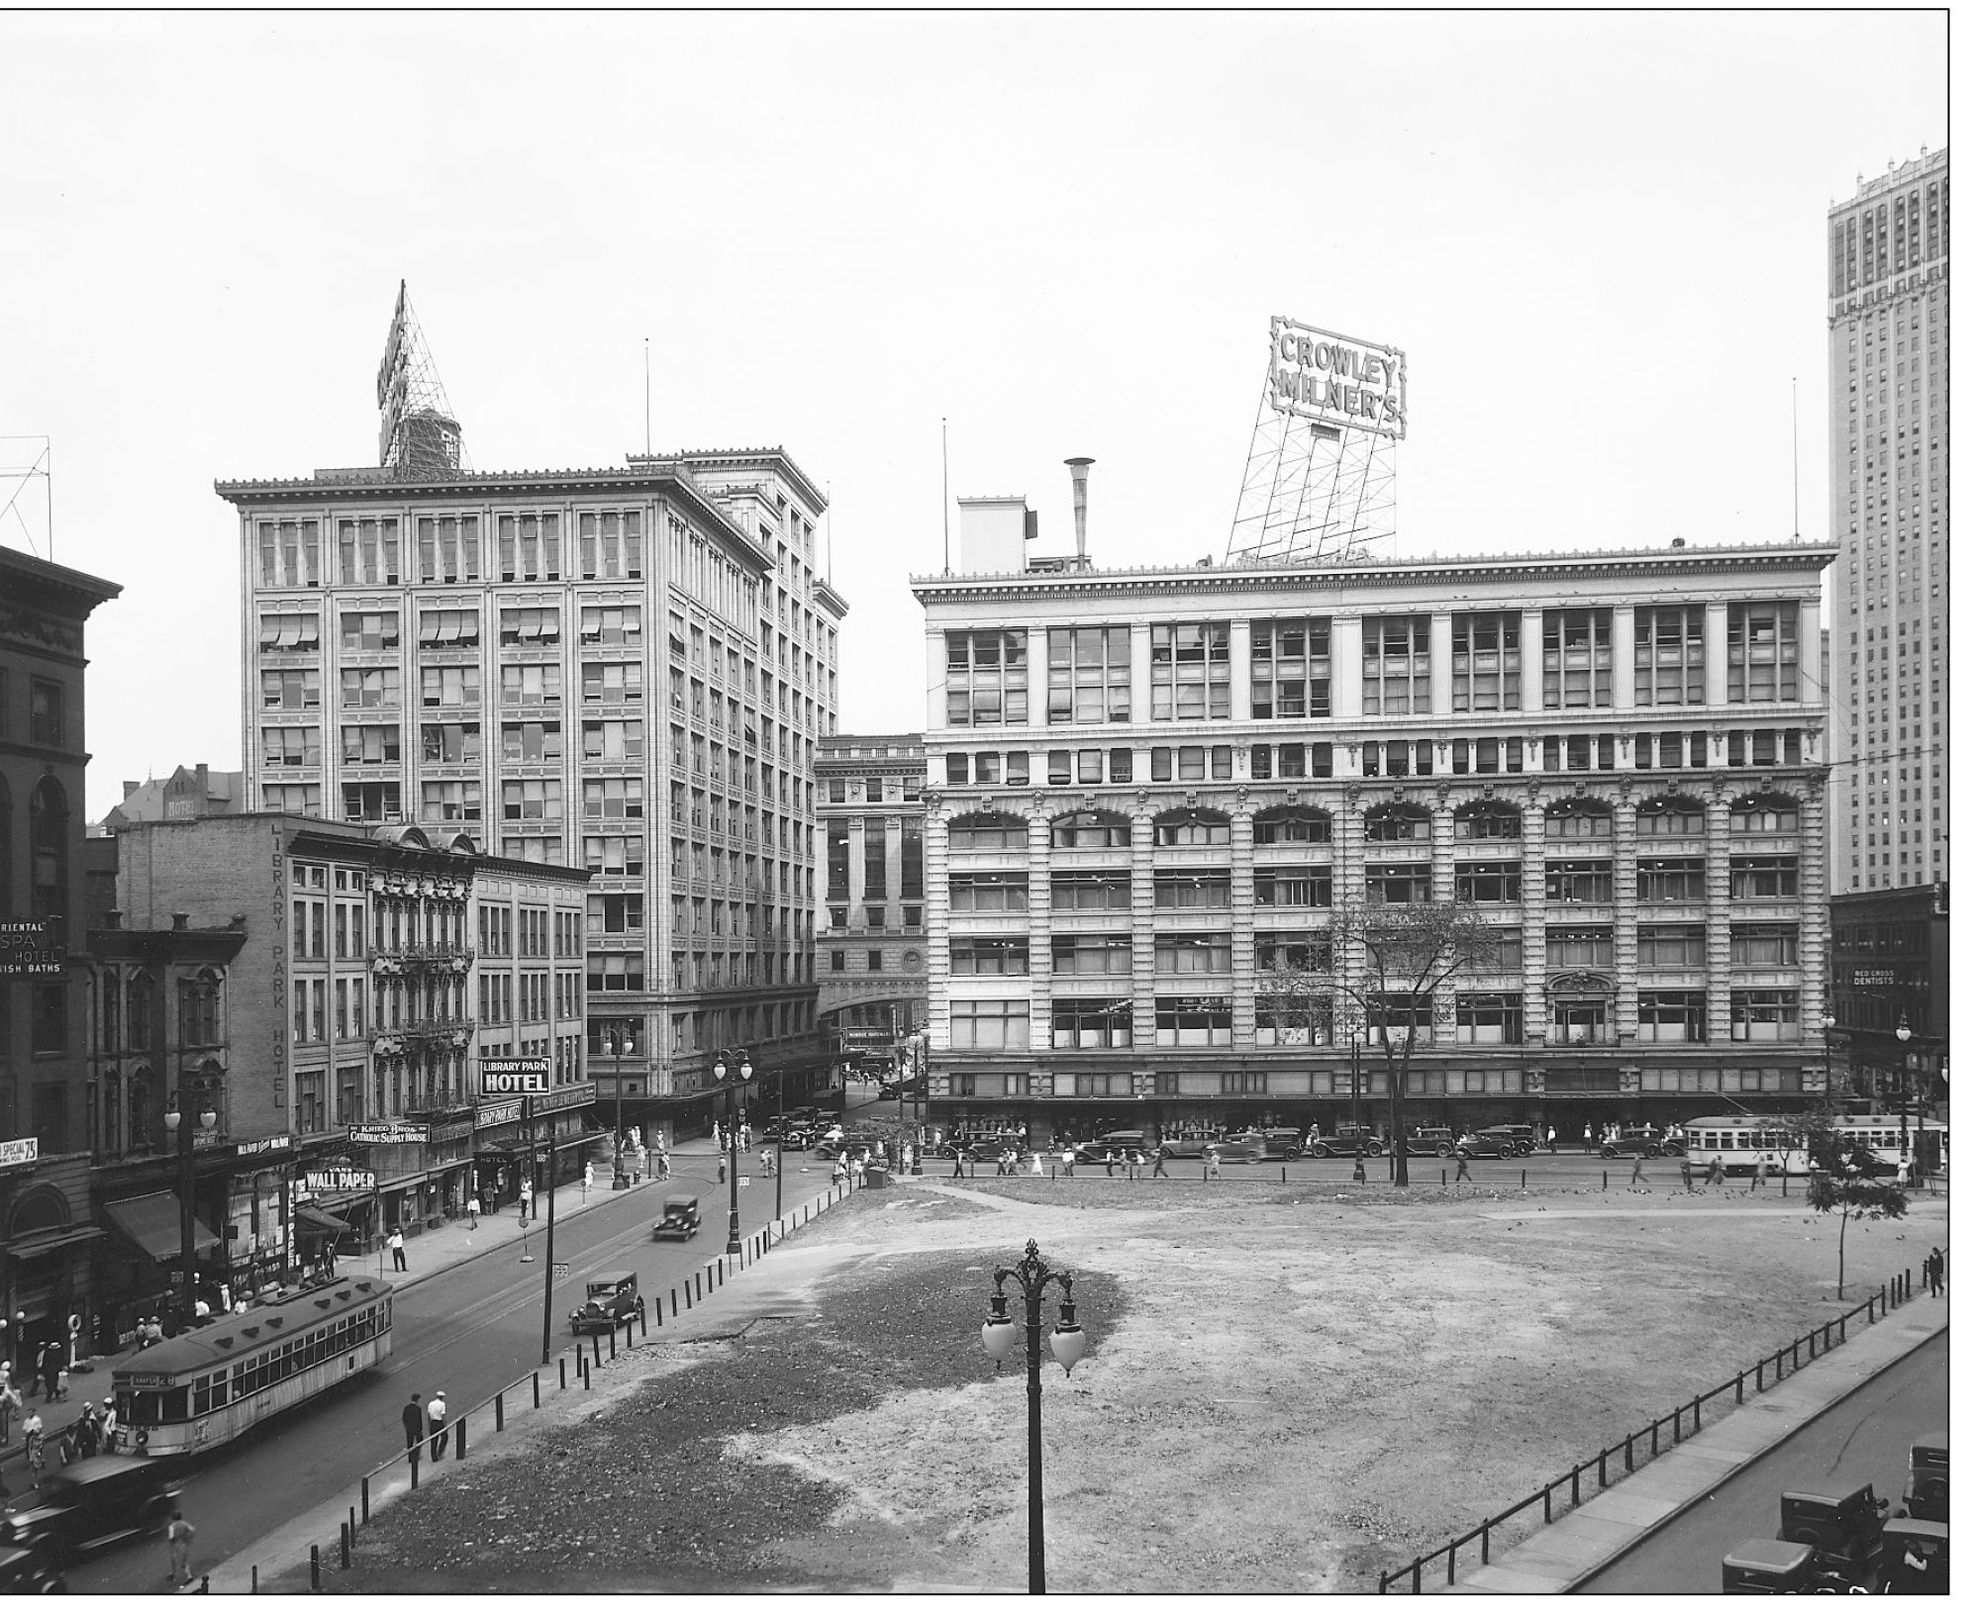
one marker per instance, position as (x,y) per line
(209,1385)
(1741,1142)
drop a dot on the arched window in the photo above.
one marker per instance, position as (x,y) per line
(47,826)
(141,1017)
(198,1010)
(1763,814)
(1488,821)
(1397,822)
(1577,818)
(1672,816)
(1276,827)
(1192,827)
(987,833)
(1093,827)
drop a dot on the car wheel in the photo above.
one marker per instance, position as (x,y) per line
(1442,1150)
(1294,1153)
(1376,1150)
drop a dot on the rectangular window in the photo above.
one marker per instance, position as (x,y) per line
(611,545)
(611,740)
(1668,664)
(1764,1015)
(1490,1017)
(1192,889)
(1291,668)
(1095,953)
(1001,1025)
(1673,947)
(1673,880)
(452,801)
(1579,880)
(1763,947)
(1091,891)
(1394,665)
(989,955)
(1289,1022)
(607,682)
(1763,651)
(529,626)
(444,629)
(1189,671)
(1762,879)
(368,550)
(985,893)
(1673,1017)
(613,626)
(1400,883)
(531,741)
(374,630)
(1192,1022)
(1092,1023)
(1192,953)
(1293,886)
(1578,658)
(1087,675)
(986,677)
(371,744)
(447,550)
(1486,666)
(1479,882)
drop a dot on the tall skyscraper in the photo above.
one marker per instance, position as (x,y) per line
(1888,311)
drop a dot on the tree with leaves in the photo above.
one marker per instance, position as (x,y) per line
(1387,962)
(1854,1198)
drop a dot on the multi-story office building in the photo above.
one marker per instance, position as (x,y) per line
(624,669)
(381,962)
(1888,310)
(45,1225)
(1149,788)
(873,984)
(1889,973)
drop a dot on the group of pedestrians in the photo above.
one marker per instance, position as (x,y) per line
(427,1424)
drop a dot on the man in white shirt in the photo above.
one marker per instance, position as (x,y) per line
(440,1433)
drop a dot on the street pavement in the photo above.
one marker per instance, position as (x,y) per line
(428,1255)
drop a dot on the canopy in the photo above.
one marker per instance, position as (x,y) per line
(154,1224)
(318,1222)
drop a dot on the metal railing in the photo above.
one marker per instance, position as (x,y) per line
(1683,1423)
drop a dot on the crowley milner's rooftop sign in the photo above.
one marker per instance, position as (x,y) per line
(1335,380)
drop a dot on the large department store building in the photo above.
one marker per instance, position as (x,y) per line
(1148,787)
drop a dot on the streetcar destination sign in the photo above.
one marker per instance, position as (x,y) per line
(506,1078)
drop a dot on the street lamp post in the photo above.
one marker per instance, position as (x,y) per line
(616,1035)
(1068,1344)
(174,1120)
(1830,1020)
(731,1077)
(921,1042)
(1903,1033)
(1354,1038)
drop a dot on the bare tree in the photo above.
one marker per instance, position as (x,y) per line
(1388,963)
(1854,1198)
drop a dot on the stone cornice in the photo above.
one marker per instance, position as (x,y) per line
(1530,569)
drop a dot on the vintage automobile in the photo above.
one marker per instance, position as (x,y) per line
(1436,1140)
(1844,1528)
(611,1302)
(1522,1139)
(1926,1492)
(1773,1566)
(679,1220)
(1117,1143)
(1913,1557)
(92,1504)
(1348,1143)
(1276,1142)
(1189,1147)
(29,1571)
(1489,1143)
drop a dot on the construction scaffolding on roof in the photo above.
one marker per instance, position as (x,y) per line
(419,438)
(1319,481)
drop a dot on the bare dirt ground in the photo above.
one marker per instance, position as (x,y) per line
(1287,1389)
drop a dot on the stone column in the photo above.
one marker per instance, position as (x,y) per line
(1140,674)
(1243,926)
(1623,656)
(1530,655)
(1810,681)
(1038,856)
(1349,887)
(1534,915)
(1717,809)
(1141,853)
(1813,934)
(1240,668)
(1626,910)
(1715,655)
(1346,679)
(936,920)
(937,678)
(1441,658)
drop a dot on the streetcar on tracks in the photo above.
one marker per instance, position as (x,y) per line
(213,1383)
(1741,1142)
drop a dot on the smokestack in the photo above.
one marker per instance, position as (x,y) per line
(1079,466)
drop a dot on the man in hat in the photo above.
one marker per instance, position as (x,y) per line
(440,1431)
(414,1425)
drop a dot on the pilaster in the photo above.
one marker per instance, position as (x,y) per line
(1441,659)
(1347,636)
(1240,665)
(936,678)
(1715,657)
(1626,904)
(1717,809)
(1534,915)
(1813,935)
(1141,885)
(1623,656)
(1243,920)
(1038,857)
(936,918)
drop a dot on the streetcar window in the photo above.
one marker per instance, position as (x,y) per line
(175,1404)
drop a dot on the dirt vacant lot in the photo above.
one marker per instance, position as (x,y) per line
(1286,1389)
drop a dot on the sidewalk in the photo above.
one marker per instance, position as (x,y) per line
(693,1164)
(1557,1558)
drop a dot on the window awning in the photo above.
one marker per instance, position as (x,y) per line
(318,1222)
(49,1242)
(153,1224)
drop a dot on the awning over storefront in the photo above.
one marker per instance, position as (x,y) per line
(153,1223)
(50,1242)
(313,1222)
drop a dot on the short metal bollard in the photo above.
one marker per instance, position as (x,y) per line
(563,1373)
(254,1586)
(611,1345)
(499,1411)
(644,1313)
(351,1524)
(345,1546)
(1603,1182)
(464,1424)
(413,1472)
(314,1568)
(587,1378)
(536,1390)
(597,1343)
(673,1303)
(365,1501)
(1523,1186)
(688,1302)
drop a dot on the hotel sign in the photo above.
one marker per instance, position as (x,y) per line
(32,947)
(1339,381)
(577,1096)
(506,1078)
(497,1114)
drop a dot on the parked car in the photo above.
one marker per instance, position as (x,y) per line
(1116,1142)
(92,1504)
(1188,1147)
(30,1571)
(1926,1492)
(1278,1142)
(1245,1150)
(1489,1143)
(1437,1140)
(611,1302)
(1625,1147)
(1523,1138)
(1346,1143)
(1845,1529)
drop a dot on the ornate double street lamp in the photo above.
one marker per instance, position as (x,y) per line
(731,1077)
(618,1040)
(919,1042)
(1068,1344)
(1903,1033)
(174,1120)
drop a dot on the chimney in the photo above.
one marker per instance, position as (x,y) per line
(112,919)
(1079,466)
(180,922)
(130,789)
(204,780)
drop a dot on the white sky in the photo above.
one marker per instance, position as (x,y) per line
(1599,239)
